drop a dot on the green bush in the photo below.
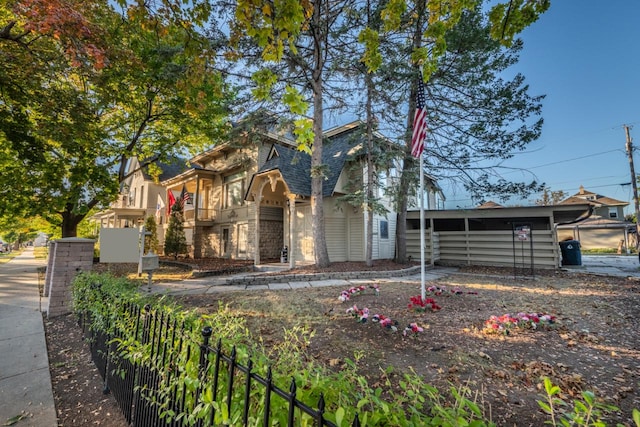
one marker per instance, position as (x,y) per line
(409,401)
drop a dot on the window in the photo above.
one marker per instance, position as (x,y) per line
(613,212)
(384,229)
(383,182)
(234,190)
(132,197)
(225,242)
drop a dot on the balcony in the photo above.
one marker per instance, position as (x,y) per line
(203,214)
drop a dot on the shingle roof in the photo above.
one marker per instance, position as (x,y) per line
(489,205)
(594,199)
(175,166)
(295,166)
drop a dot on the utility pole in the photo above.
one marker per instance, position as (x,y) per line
(634,184)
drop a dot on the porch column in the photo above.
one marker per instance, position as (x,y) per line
(292,218)
(432,243)
(257,198)
(196,196)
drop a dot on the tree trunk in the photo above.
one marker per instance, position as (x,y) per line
(317,179)
(370,173)
(401,223)
(408,164)
(70,222)
(321,254)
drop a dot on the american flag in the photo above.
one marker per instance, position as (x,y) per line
(184,197)
(419,122)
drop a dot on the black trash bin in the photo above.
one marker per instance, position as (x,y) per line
(571,254)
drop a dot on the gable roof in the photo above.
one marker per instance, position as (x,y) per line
(489,205)
(592,198)
(170,168)
(295,165)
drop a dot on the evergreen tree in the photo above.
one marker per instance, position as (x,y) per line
(151,243)
(175,241)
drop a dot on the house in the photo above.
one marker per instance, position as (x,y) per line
(141,195)
(604,229)
(250,199)
(603,206)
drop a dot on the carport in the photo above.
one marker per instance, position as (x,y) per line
(500,236)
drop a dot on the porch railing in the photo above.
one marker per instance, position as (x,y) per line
(203,214)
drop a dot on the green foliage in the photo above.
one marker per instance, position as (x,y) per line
(97,295)
(67,120)
(151,243)
(550,197)
(509,19)
(175,241)
(106,301)
(586,411)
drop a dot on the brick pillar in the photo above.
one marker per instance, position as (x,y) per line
(50,261)
(67,257)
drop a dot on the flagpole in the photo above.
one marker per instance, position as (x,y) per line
(422,268)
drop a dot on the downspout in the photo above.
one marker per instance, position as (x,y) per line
(581,218)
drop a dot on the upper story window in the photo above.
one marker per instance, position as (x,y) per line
(613,212)
(234,189)
(383,182)
(132,197)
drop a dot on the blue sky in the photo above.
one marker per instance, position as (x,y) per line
(585,56)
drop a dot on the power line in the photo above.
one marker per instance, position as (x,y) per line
(577,158)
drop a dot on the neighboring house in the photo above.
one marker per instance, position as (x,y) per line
(227,183)
(490,205)
(605,228)
(603,206)
(434,196)
(140,196)
(41,239)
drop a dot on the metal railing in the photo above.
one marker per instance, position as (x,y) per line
(154,390)
(203,214)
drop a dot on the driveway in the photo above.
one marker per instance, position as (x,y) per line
(612,265)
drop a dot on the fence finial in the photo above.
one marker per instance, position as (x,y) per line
(207,331)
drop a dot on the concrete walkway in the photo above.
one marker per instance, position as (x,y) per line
(207,285)
(25,381)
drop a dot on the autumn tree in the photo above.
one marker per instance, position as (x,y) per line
(550,197)
(130,84)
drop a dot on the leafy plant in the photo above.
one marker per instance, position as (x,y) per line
(587,411)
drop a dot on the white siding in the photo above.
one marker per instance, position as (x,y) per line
(304,234)
(336,234)
(356,239)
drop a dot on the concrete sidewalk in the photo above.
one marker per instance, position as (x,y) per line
(25,381)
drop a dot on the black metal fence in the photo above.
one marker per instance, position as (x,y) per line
(176,382)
